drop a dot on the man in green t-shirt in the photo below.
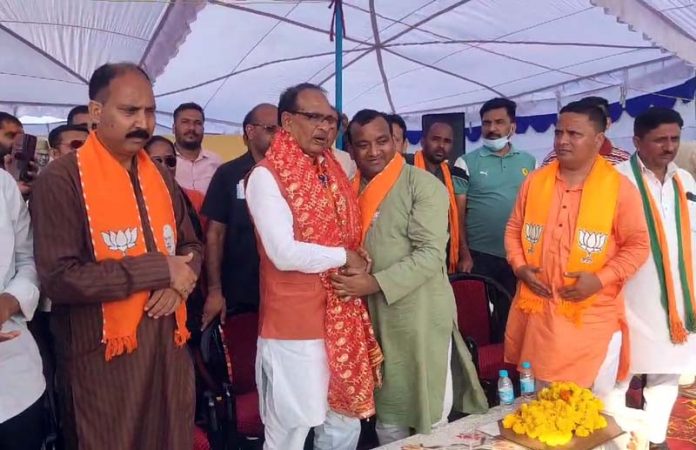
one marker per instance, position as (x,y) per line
(495,172)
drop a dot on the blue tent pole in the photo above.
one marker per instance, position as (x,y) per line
(339,69)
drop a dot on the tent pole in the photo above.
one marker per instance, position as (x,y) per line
(339,70)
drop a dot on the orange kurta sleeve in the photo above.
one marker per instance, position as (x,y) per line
(513,231)
(632,238)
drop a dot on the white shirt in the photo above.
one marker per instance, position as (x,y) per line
(652,351)
(274,224)
(21,372)
(296,370)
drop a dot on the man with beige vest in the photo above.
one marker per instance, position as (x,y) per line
(317,354)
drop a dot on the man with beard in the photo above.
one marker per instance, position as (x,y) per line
(232,260)
(22,424)
(11,132)
(496,172)
(438,140)
(117,255)
(317,362)
(195,166)
(660,306)
(404,213)
(10,129)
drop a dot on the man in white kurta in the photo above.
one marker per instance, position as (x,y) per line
(292,365)
(653,348)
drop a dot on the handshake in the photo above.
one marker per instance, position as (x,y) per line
(354,278)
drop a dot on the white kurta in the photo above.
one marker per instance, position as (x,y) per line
(292,375)
(21,373)
(652,351)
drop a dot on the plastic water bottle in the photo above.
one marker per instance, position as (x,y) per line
(527,385)
(506,395)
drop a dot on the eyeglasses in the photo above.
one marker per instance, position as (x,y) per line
(169,160)
(272,129)
(316,119)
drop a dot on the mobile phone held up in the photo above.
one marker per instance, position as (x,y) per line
(25,148)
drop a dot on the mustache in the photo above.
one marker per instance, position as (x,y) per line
(493,136)
(138,134)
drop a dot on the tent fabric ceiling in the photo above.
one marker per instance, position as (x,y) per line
(408,56)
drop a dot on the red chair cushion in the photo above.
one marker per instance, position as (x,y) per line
(491,361)
(200,440)
(473,310)
(248,417)
(241,333)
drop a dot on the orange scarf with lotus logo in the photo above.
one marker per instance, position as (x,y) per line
(588,253)
(117,232)
(326,212)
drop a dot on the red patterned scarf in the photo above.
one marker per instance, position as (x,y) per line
(326,212)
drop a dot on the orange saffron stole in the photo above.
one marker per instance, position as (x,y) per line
(376,191)
(116,232)
(453,211)
(592,232)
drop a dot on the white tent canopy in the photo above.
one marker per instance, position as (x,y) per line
(407,56)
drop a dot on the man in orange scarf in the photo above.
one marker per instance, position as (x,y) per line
(427,368)
(576,235)
(438,140)
(117,255)
(318,361)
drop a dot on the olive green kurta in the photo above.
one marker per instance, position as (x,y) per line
(414,315)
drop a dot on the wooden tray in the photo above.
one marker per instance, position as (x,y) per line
(612,431)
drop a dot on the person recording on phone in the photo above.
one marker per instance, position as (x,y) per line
(17,152)
(22,424)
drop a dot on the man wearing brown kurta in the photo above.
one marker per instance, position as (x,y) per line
(139,396)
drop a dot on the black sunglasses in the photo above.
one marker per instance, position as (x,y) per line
(75,144)
(169,160)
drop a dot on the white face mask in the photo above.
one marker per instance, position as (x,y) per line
(496,145)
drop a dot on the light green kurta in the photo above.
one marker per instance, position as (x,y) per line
(414,315)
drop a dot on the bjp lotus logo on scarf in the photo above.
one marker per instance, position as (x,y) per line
(591,242)
(532,233)
(121,240)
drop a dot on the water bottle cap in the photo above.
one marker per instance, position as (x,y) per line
(526,365)
(503,373)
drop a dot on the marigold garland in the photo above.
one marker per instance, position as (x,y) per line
(561,411)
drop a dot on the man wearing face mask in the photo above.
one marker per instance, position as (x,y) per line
(195,166)
(438,140)
(496,170)
(116,253)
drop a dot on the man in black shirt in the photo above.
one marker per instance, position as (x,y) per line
(232,261)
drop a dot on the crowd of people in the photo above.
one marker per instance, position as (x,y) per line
(125,245)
